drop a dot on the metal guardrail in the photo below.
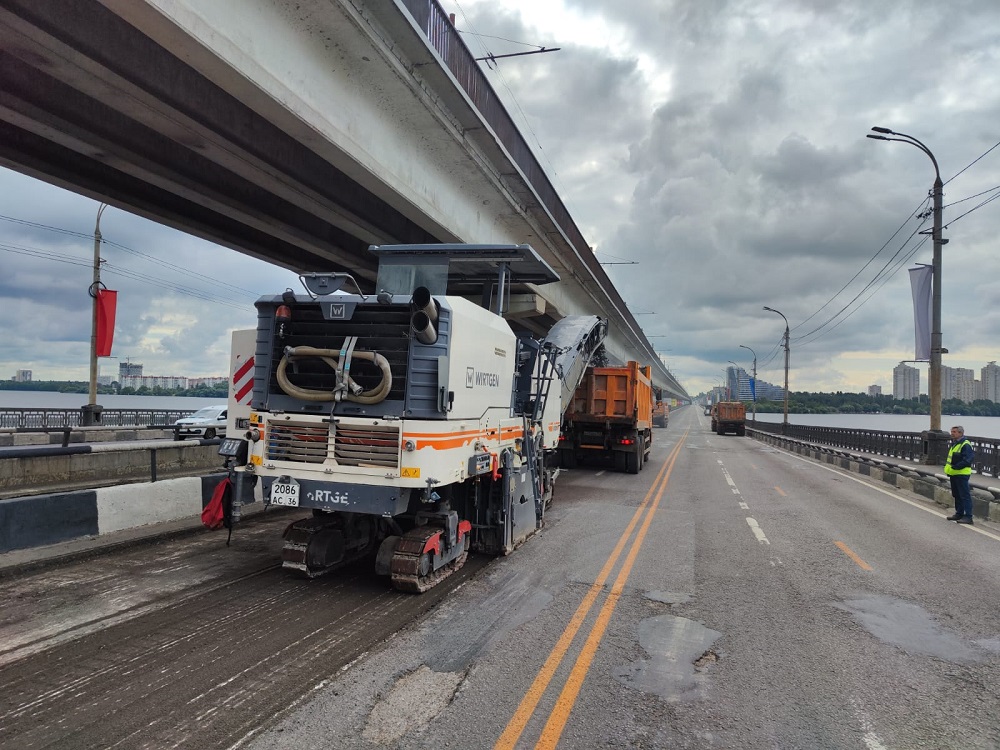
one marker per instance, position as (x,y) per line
(905,445)
(11,418)
(432,19)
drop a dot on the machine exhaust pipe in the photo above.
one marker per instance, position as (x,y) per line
(424,303)
(423,328)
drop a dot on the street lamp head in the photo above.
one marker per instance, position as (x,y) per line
(878,137)
(877,129)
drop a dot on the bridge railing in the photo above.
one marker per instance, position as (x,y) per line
(12,418)
(904,445)
(445,39)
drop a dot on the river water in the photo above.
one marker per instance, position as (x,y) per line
(984,427)
(53,400)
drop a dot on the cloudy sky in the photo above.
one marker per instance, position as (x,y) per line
(713,151)
(178,296)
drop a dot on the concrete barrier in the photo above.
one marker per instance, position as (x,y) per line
(26,470)
(56,436)
(40,520)
(929,482)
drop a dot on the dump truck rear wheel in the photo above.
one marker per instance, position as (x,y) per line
(633,460)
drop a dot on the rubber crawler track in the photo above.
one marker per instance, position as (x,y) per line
(405,564)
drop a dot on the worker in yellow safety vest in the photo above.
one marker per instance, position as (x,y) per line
(958,467)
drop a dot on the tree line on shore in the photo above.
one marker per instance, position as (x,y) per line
(220,391)
(803,402)
(799,402)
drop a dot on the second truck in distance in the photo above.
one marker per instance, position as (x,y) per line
(729,416)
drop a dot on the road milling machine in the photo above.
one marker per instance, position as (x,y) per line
(413,423)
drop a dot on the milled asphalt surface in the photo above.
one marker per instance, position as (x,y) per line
(720,639)
(182,642)
(774,602)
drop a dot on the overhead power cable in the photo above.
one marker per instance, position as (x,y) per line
(974,208)
(895,263)
(46,255)
(885,279)
(494,68)
(214,281)
(186,291)
(36,225)
(878,276)
(974,195)
(971,163)
(915,212)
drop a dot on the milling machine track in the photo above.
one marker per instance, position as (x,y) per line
(409,559)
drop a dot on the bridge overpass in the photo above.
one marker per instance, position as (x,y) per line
(297,132)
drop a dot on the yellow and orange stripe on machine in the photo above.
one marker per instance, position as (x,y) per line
(448,440)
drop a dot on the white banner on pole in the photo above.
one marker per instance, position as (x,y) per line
(920,286)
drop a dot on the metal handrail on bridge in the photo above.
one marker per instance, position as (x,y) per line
(903,445)
(58,419)
(432,19)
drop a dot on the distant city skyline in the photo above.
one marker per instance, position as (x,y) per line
(956,382)
(130,375)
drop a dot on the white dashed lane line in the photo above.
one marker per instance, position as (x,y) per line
(757,531)
(751,522)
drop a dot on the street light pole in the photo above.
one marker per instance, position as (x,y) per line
(935,440)
(91,412)
(753,391)
(784,420)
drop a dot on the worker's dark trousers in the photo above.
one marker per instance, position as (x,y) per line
(962,494)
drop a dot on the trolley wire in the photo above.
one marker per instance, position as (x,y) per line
(513,98)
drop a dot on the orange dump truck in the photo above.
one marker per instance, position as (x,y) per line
(610,417)
(729,416)
(661,414)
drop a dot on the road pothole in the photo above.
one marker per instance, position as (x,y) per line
(411,704)
(679,651)
(709,657)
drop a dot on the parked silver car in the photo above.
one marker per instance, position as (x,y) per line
(208,422)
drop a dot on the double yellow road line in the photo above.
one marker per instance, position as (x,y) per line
(571,689)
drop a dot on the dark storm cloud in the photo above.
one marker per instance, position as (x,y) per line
(749,180)
(718,143)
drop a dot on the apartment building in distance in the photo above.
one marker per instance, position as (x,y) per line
(874,390)
(130,376)
(956,382)
(738,387)
(905,381)
(990,380)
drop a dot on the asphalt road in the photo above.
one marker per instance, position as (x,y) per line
(729,596)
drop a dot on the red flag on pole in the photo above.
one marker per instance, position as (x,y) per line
(107,302)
